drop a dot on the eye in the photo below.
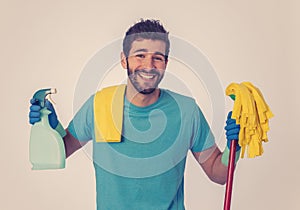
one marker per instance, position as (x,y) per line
(158,58)
(140,55)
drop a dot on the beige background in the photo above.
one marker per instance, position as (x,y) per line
(47,44)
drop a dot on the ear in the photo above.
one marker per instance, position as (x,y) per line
(167,62)
(123,60)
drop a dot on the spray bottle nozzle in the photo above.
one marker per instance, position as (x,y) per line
(43,94)
(53,91)
(48,96)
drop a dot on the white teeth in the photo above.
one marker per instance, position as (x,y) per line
(147,76)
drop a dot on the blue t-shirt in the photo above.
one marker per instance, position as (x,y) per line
(145,171)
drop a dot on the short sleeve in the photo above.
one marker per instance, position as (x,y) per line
(82,125)
(203,137)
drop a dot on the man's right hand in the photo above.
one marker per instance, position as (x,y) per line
(35,116)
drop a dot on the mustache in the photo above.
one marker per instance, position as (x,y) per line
(151,71)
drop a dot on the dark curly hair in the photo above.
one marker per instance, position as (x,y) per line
(146,29)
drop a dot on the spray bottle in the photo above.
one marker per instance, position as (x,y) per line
(46,147)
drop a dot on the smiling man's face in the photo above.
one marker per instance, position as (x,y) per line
(146,64)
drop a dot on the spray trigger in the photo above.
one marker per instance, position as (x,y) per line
(48,97)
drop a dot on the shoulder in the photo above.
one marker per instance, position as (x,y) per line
(111,89)
(88,105)
(182,100)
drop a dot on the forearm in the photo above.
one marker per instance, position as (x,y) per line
(71,144)
(215,164)
(219,170)
(211,162)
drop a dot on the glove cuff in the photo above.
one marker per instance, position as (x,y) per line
(60,129)
(225,156)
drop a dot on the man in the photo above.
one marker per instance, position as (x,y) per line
(158,128)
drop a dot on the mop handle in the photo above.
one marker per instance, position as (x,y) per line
(230,173)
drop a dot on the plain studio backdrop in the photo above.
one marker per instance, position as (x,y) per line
(48,44)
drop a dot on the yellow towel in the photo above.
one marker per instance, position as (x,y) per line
(252,113)
(108,113)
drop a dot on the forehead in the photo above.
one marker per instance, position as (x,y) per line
(148,45)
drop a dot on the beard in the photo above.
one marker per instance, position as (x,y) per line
(148,85)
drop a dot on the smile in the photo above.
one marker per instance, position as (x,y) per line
(146,75)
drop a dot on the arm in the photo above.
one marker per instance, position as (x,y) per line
(210,161)
(71,144)
(213,161)
(80,129)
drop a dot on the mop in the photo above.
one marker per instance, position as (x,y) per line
(252,113)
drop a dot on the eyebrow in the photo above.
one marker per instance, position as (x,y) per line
(145,50)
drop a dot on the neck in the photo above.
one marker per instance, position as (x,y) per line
(139,99)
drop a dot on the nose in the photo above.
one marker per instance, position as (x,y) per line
(148,63)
